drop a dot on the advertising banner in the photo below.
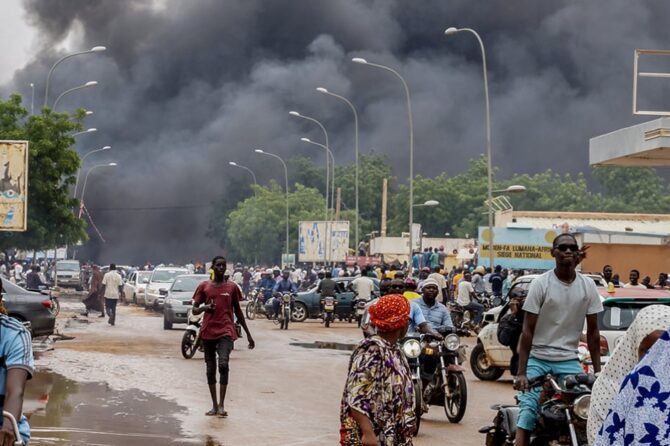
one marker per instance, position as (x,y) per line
(13,185)
(323,241)
(517,248)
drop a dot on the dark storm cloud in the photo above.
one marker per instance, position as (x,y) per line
(186,87)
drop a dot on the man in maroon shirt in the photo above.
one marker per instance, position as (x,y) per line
(218,299)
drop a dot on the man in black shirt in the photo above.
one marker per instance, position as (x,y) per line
(33,281)
(496,280)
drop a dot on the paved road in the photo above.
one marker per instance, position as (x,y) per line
(281,393)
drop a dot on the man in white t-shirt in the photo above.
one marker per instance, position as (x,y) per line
(468,299)
(441,283)
(558,301)
(111,283)
(634,277)
(363,286)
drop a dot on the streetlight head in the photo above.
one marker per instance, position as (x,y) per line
(258,151)
(91,130)
(305,140)
(516,188)
(321,90)
(232,163)
(32,85)
(106,148)
(359,60)
(98,49)
(112,164)
(431,203)
(294,113)
(91,84)
(88,112)
(451,30)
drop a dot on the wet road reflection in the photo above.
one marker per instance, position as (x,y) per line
(65,412)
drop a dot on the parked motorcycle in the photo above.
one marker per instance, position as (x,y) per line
(328,304)
(191,341)
(285,301)
(563,414)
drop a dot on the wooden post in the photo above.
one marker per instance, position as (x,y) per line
(338,204)
(385,191)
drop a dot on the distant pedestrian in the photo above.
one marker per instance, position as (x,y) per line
(634,277)
(95,301)
(111,283)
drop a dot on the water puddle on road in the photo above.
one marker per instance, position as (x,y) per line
(64,412)
(327,345)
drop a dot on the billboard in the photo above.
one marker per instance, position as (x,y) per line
(13,185)
(323,241)
(517,247)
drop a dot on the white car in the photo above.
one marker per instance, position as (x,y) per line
(489,358)
(135,285)
(159,283)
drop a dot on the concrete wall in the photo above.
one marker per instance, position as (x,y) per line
(649,260)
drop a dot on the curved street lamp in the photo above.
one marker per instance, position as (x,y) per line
(361,61)
(325,134)
(91,130)
(353,109)
(428,203)
(83,189)
(86,85)
(95,49)
(286,182)
(328,153)
(253,175)
(82,165)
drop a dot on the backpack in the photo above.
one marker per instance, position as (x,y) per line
(509,330)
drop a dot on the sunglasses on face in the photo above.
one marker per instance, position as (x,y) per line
(563,248)
(396,287)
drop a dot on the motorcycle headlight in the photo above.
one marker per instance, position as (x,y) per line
(581,406)
(411,348)
(452,342)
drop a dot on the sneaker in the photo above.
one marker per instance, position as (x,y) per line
(102,315)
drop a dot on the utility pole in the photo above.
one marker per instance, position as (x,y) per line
(338,204)
(385,191)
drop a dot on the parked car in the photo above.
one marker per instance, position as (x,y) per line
(180,299)
(133,288)
(308,303)
(160,281)
(489,359)
(29,306)
(68,273)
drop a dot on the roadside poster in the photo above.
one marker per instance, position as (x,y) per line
(517,247)
(13,185)
(323,241)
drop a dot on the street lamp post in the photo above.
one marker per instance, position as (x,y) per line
(83,189)
(32,99)
(362,61)
(286,183)
(353,109)
(91,130)
(86,85)
(76,183)
(325,134)
(328,153)
(95,49)
(253,175)
(451,31)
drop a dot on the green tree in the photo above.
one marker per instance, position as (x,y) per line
(237,190)
(632,189)
(52,166)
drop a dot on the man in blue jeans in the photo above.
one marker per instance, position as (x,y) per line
(558,301)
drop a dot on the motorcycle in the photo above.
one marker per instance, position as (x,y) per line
(256,304)
(285,301)
(462,319)
(563,414)
(359,309)
(18,441)
(328,304)
(191,341)
(445,385)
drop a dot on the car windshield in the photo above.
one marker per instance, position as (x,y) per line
(143,275)
(617,316)
(166,276)
(67,266)
(184,284)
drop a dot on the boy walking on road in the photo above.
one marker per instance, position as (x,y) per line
(219,299)
(110,289)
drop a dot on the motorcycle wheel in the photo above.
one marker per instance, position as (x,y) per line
(55,305)
(454,406)
(327,321)
(287,318)
(359,321)
(418,399)
(251,310)
(188,345)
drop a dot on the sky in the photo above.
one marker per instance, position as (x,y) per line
(186,87)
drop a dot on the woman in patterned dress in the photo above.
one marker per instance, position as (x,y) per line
(378,400)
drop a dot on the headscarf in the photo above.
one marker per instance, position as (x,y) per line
(390,312)
(639,415)
(623,360)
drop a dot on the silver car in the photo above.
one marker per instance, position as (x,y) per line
(159,283)
(134,286)
(179,299)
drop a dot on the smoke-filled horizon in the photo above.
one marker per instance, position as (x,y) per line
(186,87)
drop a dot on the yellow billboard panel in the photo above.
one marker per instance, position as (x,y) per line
(13,185)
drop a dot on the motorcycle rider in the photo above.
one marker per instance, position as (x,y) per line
(327,286)
(285,285)
(267,283)
(478,280)
(435,313)
(363,286)
(468,299)
(558,301)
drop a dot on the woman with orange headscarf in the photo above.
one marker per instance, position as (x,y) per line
(378,401)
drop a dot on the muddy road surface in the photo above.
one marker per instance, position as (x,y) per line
(129,385)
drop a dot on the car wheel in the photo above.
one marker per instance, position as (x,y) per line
(167,325)
(299,312)
(79,288)
(481,365)
(134,299)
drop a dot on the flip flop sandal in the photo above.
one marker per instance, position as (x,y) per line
(211,413)
(223,414)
